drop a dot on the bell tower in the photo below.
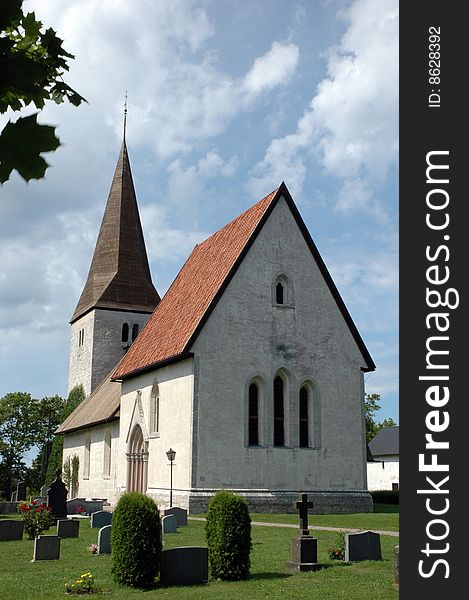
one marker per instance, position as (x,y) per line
(118,297)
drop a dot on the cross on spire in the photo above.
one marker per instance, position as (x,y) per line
(302,507)
(125,114)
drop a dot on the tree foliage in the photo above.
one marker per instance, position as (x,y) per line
(25,422)
(75,397)
(135,540)
(371,407)
(228,533)
(32,64)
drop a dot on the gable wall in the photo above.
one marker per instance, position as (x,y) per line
(247,336)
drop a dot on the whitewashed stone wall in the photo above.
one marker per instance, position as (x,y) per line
(248,336)
(102,347)
(382,475)
(98,484)
(175,387)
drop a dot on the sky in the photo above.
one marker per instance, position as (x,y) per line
(226,99)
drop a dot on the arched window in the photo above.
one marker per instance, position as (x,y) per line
(107,454)
(125,333)
(279,425)
(253,434)
(304,417)
(280,293)
(155,410)
(86,459)
(134,331)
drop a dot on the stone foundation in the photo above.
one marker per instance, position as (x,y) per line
(266,501)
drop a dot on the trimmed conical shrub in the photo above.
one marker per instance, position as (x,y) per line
(135,540)
(228,532)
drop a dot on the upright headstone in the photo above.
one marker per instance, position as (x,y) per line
(57,497)
(101,518)
(365,545)
(44,490)
(179,513)
(396,565)
(186,565)
(46,547)
(104,540)
(21,491)
(11,530)
(304,548)
(169,524)
(68,528)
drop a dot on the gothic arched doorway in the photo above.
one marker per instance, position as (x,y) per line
(137,462)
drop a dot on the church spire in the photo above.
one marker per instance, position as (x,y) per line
(119,276)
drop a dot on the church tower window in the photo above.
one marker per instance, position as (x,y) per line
(279,425)
(253,424)
(125,333)
(134,331)
(279,293)
(282,292)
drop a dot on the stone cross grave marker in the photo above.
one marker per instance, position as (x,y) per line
(302,507)
(11,530)
(104,540)
(46,547)
(304,547)
(57,497)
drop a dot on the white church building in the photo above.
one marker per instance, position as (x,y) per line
(250,367)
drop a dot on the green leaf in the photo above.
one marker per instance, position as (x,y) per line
(21,146)
(31,26)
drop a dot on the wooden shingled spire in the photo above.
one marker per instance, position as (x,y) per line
(119,276)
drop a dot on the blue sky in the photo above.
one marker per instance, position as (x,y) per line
(225,100)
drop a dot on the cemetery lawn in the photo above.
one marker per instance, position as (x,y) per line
(369,580)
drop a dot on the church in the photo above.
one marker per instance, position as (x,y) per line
(250,368)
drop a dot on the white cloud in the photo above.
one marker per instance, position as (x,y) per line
(272,69)
(350,126)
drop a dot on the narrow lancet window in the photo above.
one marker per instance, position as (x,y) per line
(304,418)
(125,333)
(134,331)
(279,428)
(253,415)
(279,293)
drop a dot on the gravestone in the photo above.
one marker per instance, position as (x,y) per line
(46,547)
(179,513)
(187,565)
(68,528)
(365,545)
(14,496)
(304,548)
(75,505)
(43,491)
(396,565)
(57,497)
(169,524)
(101,518)
(21,491)
(104,540)
(11,530)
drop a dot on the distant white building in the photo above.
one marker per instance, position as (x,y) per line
(250,367)
(383,464)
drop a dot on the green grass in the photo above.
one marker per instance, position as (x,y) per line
(373,580)
(387,519)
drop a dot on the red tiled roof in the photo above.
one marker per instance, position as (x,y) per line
(175,320)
